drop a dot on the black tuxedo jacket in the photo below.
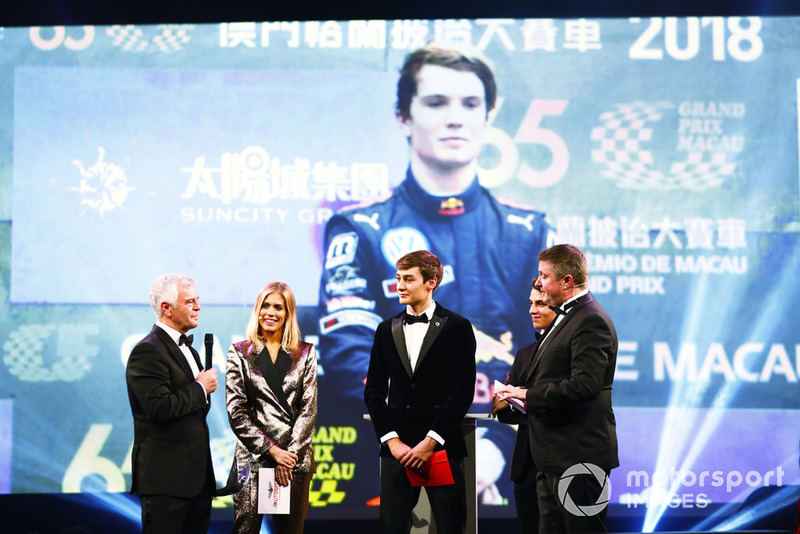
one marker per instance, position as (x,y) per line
(171,454)
(436,395)
(570,419)
(518,376)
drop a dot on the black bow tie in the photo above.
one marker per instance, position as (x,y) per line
(187,340)
(564,311)
(411,319)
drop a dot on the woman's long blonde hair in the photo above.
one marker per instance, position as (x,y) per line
(291,330)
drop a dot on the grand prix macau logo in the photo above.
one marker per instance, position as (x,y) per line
(662,146)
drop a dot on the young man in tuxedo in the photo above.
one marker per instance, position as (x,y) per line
(169,393)
(487,244)
(423,360)
(523,470)
(570,419)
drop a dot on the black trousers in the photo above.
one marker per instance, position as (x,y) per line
(525,499)
(554,518)
(162,514)
(398,498)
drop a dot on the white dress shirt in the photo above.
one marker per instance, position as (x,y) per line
(415,334)
(187,353)
(560,316)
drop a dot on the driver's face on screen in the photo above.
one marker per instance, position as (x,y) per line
(447,117)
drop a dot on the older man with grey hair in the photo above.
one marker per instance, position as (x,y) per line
(169,393)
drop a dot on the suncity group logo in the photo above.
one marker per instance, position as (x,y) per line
(165,38)
(582,470)
(103,186)
(704,147)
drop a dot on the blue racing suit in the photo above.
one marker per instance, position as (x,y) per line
(488,248)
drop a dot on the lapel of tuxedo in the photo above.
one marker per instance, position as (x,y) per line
(268,370)
(525,374)
(174,351)
(434,328)
(400,343)
(543,347)
(196,358)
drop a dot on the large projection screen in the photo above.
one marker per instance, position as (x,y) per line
(665,148)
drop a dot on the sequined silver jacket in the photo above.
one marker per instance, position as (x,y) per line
(257,417)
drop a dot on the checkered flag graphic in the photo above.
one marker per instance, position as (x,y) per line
(325,494)
(23,355)
(131,38)
(620,144)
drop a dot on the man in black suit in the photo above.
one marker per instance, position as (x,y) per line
(523,470)
(169,395)
(570,420)
(424,360)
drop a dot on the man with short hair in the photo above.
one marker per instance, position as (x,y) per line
(523,470)
(487,245)
(568,400)
(423,361)
(169,393)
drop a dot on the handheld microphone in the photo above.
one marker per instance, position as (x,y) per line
(209,343)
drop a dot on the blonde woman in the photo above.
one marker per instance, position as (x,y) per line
(271,396)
